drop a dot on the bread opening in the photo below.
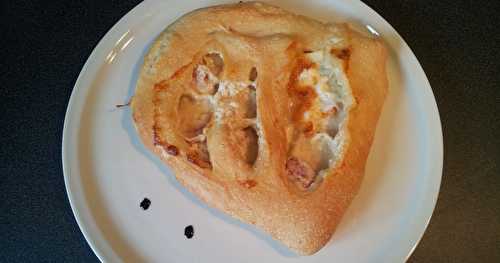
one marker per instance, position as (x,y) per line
(253,74)
(199,155)
(234,138)
(250,143)
(207,73)
(214,62)
(321,99)
(193,115)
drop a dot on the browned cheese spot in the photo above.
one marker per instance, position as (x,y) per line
(248,183)
(343,54)
(172,150)
(195,158)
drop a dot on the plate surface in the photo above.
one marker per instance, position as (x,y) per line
(108,172)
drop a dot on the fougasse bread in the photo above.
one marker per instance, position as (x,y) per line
(263,114)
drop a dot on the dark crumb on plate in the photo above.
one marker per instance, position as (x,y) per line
(123,105)
(189,231)
(145,203)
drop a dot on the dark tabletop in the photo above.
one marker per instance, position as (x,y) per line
(44,45)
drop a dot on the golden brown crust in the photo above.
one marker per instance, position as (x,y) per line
(261,47)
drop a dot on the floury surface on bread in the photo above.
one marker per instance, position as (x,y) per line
(263,114)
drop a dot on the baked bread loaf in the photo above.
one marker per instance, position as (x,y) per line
(263,114)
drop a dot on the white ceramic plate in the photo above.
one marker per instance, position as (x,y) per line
(108,172)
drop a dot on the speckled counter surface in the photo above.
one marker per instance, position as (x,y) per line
(44,45)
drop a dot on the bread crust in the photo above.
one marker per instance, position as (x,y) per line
(261,194)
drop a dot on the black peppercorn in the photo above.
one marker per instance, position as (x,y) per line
(145,203)
(189,231)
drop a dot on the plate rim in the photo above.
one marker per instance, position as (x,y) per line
(79,87)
